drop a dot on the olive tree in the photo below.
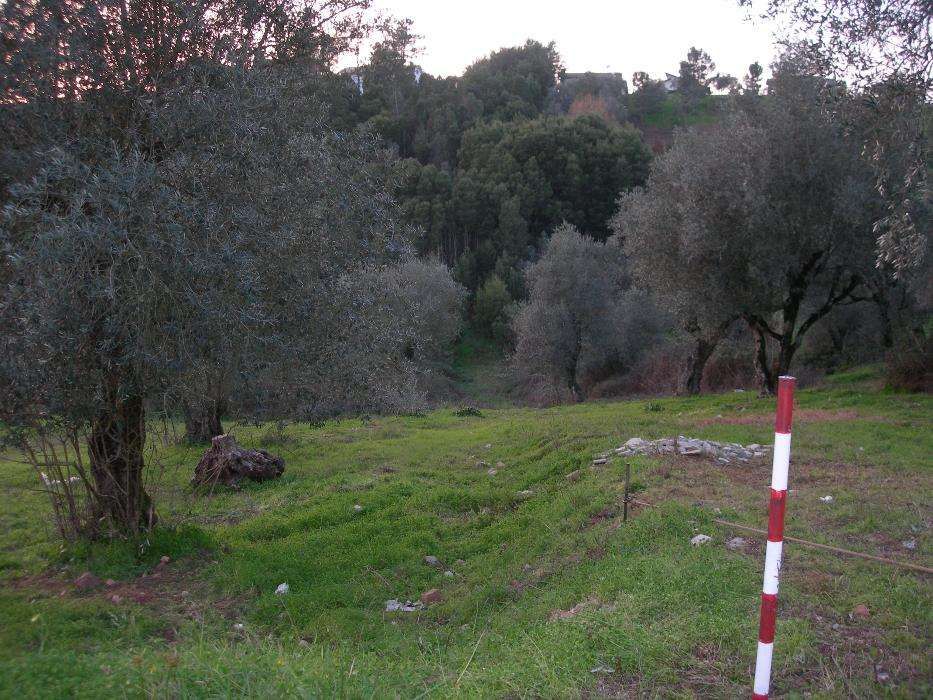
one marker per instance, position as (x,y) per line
(581,322)
(128,278)
(885,50)
(765,217)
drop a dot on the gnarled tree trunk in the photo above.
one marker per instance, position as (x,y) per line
(116,450)
(203,420)
(693,371)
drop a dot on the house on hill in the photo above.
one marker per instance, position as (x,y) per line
(671,83)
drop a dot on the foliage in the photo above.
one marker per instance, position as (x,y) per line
(886,50)
(491,309)
(515,82)
(582,322)
(769,214)
(518,180)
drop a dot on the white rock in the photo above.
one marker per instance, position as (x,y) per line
(281,589)
(395,606)
(358,508)
(826,499)
(449,573)
(735,543)
(431,560)
(909,544)
(697,540)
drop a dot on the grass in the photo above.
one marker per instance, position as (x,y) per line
(643,608)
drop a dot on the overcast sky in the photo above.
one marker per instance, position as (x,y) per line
(591,35)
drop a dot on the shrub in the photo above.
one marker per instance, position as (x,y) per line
(491,310)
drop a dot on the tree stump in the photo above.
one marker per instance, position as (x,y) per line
(227,463)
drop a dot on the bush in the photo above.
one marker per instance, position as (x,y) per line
(491,310)
(910,364)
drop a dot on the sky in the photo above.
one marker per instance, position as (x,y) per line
(591,35)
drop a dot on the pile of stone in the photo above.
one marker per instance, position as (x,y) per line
(722,452)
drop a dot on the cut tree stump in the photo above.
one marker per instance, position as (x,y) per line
(227,463)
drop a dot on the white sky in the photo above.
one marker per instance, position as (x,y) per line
(596,35)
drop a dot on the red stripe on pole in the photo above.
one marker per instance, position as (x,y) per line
(756,696)
(776,515)
(768,618)
(785,404)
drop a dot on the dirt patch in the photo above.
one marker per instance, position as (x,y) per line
(174,590)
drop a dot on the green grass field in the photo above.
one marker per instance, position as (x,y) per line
(549,595)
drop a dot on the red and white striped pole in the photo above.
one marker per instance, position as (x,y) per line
(769,590)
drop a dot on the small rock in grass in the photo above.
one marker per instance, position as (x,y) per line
(735,543)
(860,610)
(527,493)
(165,559)
(909,544)
(449,573)
(431,560)
(432,596)
(602,669)
(600,460)
(883,676)
(396,606)
(574,475)
(492,472)
(116,599)
(358,508)
(304,643)
(697,540)
(281,589)
(87,581)
(110,583)
(500,465)
(826,499)
(488,445)
(460,562)
(482,465)
(238,627)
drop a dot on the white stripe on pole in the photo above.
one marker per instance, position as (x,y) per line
(781,461)
(772,567)
(763,668)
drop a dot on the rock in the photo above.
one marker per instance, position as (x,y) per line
(110,583)
(500,465)
(87,581)
(860,610)
(600,460)
(492,472)
(431,560)
(357,508)
(227,463)
(304,643)
(482,465)
(165,559)
(460,562)
(431,597)
(883,676)
(698,540)
(282,589)
(395,606)
(735,543)
(909,544)
(238,627)
(602,669)
(573,476)
(449,573)
(826,499)
(527,493)
(116,599)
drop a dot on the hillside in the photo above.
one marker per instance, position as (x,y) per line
(549,594)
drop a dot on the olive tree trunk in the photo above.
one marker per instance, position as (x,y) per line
(203,420)
(116,450)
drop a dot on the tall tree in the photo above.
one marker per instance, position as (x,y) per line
(885,49)
(765,218)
